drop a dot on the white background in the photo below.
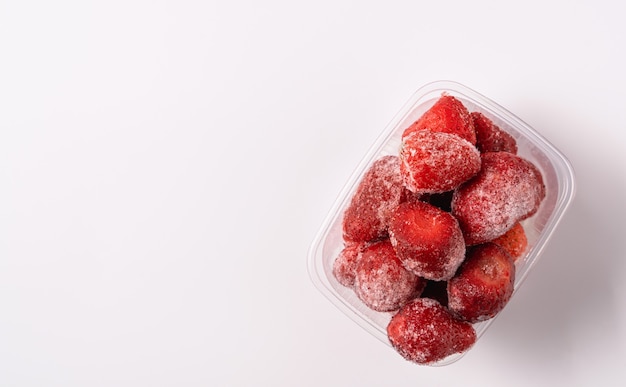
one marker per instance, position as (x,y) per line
(165,165)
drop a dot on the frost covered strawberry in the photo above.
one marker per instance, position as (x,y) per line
(381,281)
(434,162)
(425,332)
(378,193)
(427,240)
(489,137)
(447,115)
(344,266)
(483,285)
(507,189)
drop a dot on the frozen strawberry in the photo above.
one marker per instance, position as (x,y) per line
(377,194)
(489,137)
(436,162)
(447,115)
(425,332)
(381,282)
(437,290)
(344,267)
(483,285)
(513,241)
(507,189)
(427,240)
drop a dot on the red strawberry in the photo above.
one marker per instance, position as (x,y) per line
(381,282)
(436,162)
(378,193)
(344,267)
(507,189)
(427,240)
(513,241)
(425,332)
(483,285)
(447,115)
(489,137)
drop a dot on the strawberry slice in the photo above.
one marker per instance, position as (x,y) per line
(483,285)
(447,115)
(381,282)
(489,137)
(514,241)
(425,332)
(427,240)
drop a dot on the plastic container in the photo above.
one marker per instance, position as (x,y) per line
(556,170)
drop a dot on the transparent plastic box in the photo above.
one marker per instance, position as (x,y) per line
(557,174)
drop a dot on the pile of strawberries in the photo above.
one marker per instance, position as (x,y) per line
(432,234)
